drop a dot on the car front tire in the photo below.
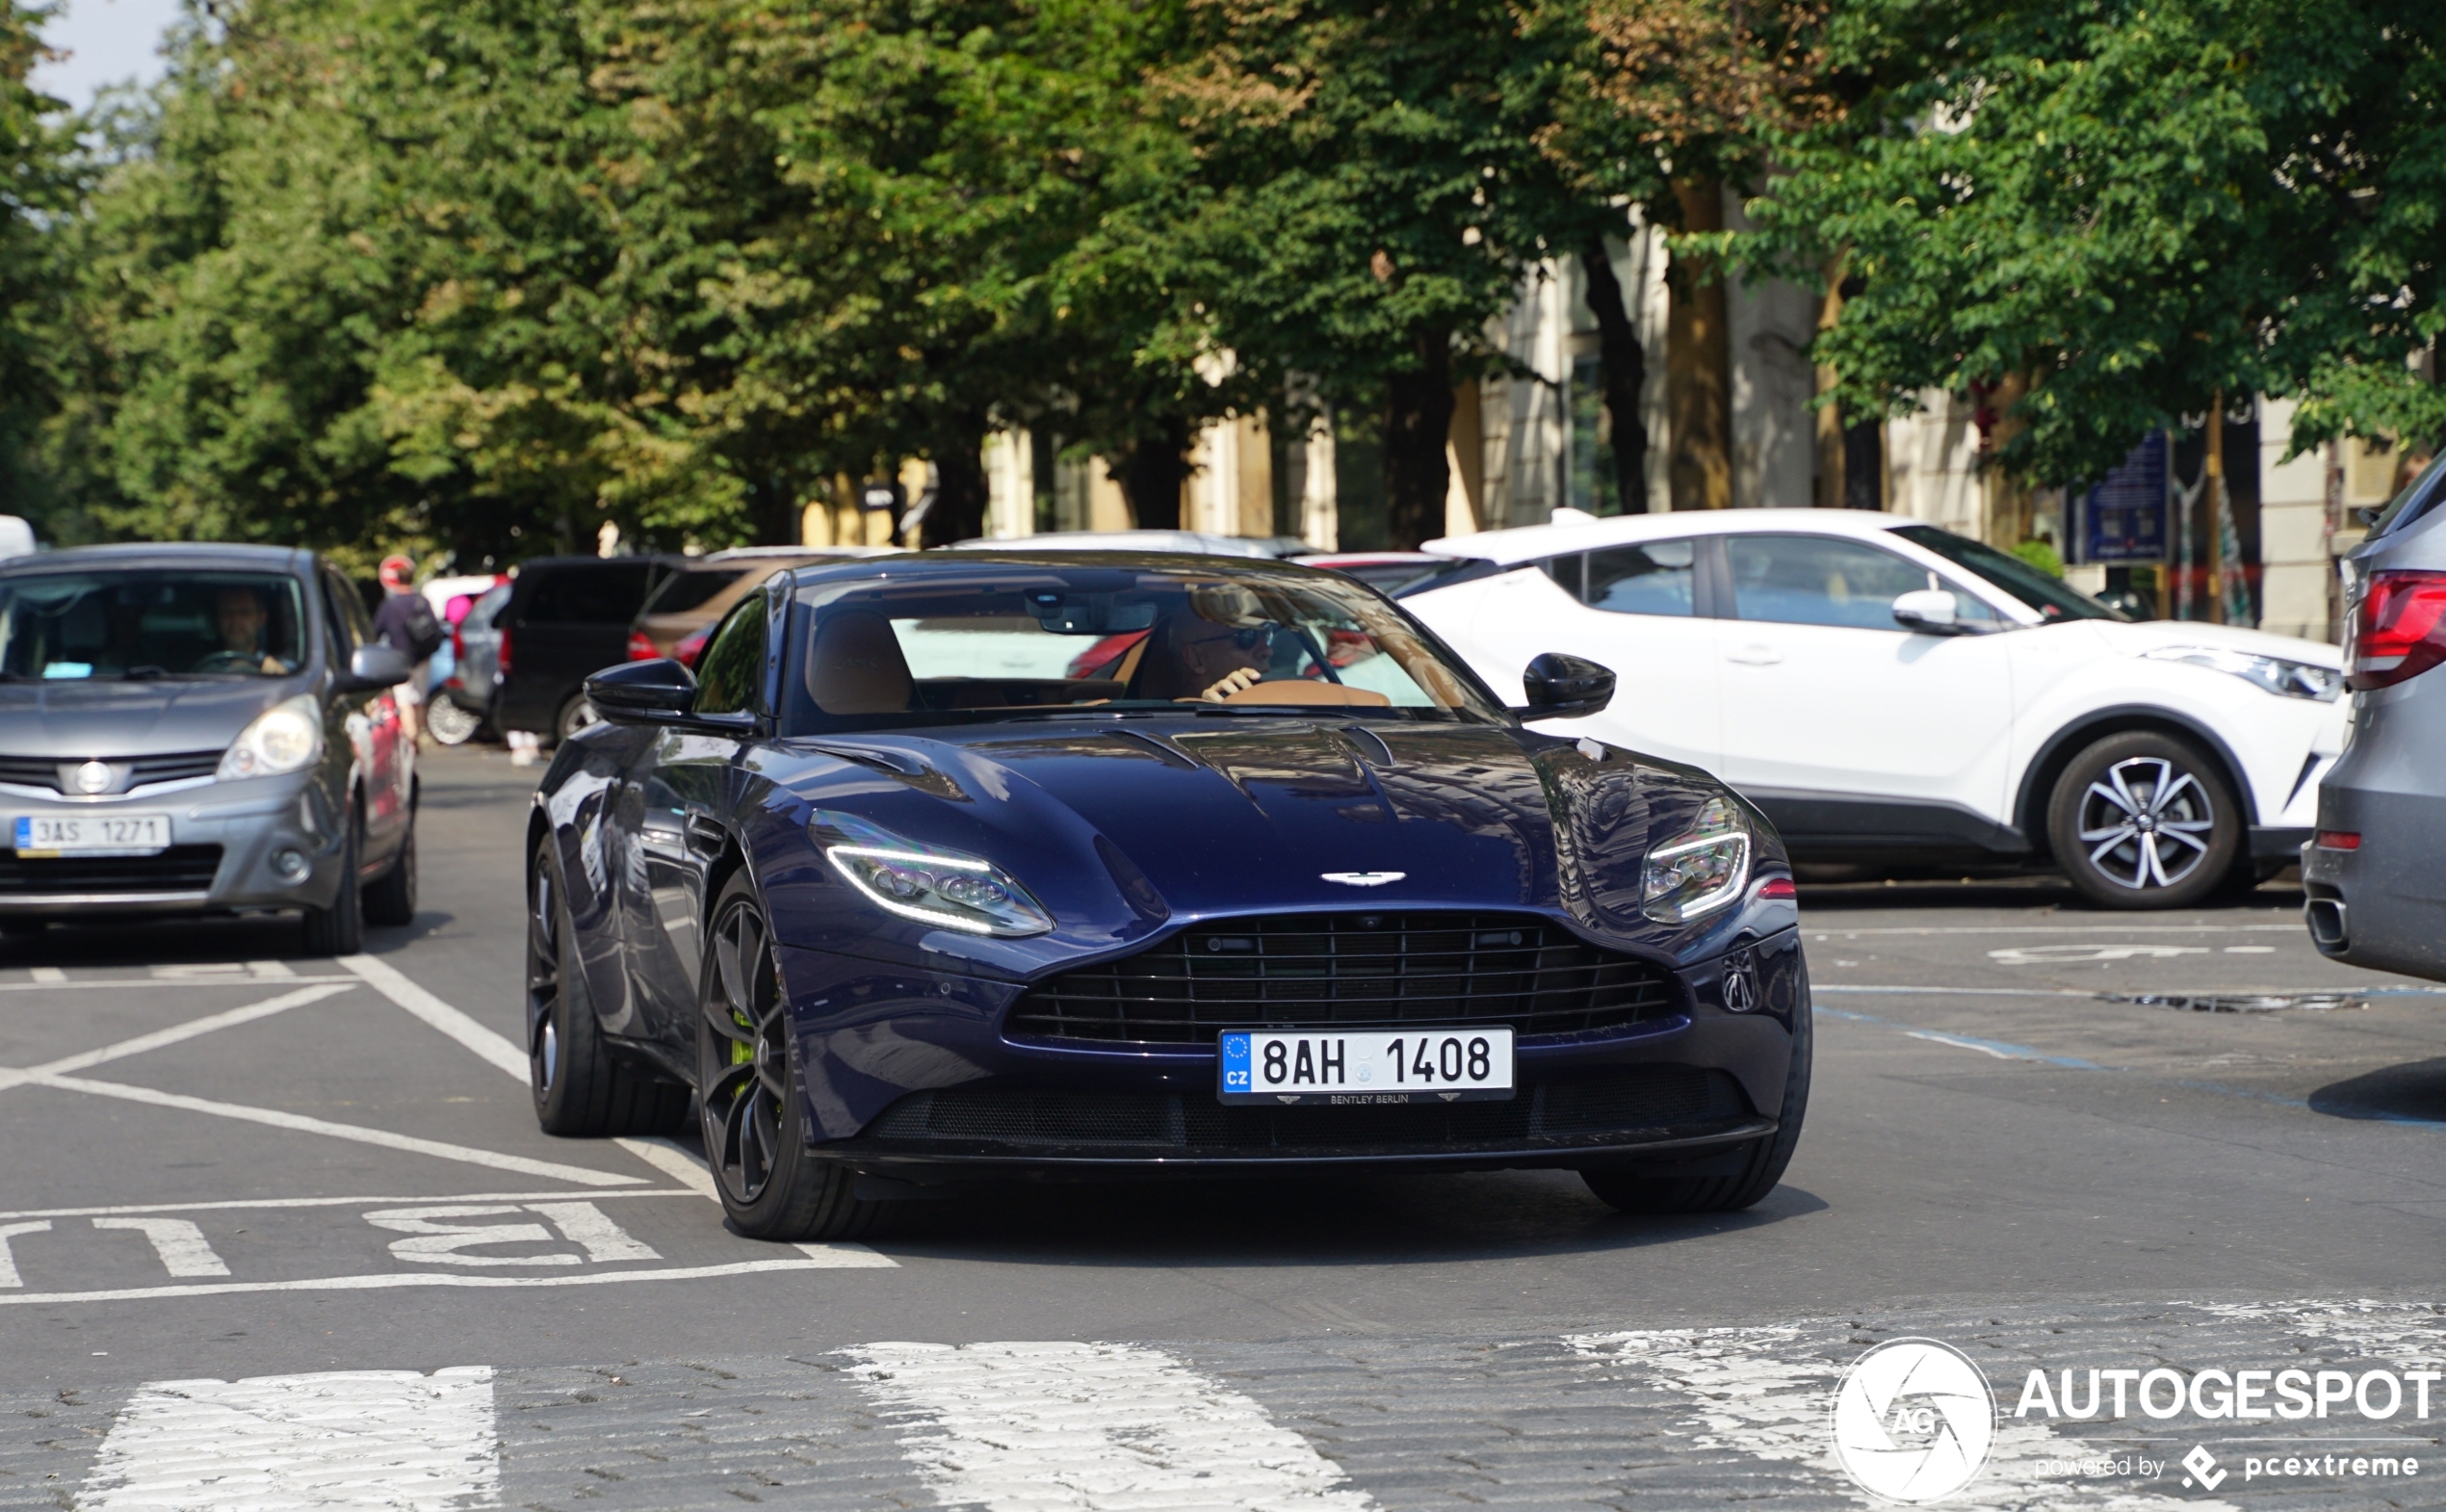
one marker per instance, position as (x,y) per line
(2142,820)
(392,901)
(582,1089)
(755,1132)
(340,928)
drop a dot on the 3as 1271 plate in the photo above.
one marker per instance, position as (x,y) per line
(92,834)
(1348,1067)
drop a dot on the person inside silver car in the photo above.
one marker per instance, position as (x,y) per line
(238,615)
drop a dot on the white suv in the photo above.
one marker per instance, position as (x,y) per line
(1892,692)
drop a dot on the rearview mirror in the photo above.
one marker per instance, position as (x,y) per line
(1562,686)
(375,667)
(1929,612)
(660,692)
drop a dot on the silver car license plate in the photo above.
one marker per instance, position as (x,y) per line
(40,835)
(1353,1068)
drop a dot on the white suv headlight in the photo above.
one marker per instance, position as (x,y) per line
(1700,870)
(2273,673)
(286,736)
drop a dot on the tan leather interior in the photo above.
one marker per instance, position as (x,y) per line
(855,666)
(1299,689)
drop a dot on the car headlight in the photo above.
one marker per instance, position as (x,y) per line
(1700,870)
(2274,673)
(926,882)
(286,736)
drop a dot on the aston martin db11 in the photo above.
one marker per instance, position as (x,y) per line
(969,865)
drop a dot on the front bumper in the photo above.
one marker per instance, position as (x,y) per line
(224,837)
(910,1076)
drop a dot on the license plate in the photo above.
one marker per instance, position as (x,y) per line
(93,835)
(1344,1068)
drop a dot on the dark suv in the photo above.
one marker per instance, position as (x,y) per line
(200,729)
(567,616)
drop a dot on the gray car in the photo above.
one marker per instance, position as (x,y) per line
(200,729)
(2373,876)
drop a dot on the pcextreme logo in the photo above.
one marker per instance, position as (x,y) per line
(1914,1421)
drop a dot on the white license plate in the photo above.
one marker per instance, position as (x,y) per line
(1352,1068)
(93,835)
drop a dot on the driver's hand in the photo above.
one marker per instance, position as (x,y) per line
(1232,683)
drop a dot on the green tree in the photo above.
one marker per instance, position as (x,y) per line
(33,187)
(2128,207)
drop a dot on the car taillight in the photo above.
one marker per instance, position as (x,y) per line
(2339,840)
(457,645)
(692,647)
(501,654)
(2399,629)
(640,649)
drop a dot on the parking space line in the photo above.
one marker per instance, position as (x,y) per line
(176,1033)
(1055,1425)
(493,1047)
(836,1257)
(249,1204)
(550,1170)
(1824,931)
(179,1244)
(64,984)
(335,1442)
(674,1162)
(48,974)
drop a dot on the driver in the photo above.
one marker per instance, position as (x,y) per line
(1221,644)
(239,616)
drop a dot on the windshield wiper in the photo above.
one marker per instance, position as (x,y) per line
(143,674)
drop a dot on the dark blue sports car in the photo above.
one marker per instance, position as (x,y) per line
(956,865)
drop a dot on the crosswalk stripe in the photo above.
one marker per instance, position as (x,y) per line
(1058,1426)
(334,1441)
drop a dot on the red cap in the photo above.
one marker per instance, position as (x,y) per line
(397,571)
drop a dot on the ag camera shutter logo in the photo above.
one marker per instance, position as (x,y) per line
(1914,1421)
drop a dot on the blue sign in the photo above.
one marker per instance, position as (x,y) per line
(2123,518)
(1235,1067)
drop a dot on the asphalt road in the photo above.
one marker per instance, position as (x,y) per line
(237,1187)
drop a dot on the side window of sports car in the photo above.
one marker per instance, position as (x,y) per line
(729,678)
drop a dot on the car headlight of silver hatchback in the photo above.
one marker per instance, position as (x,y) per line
(2275,674)
(287,737)
(1700,870)
(929,883)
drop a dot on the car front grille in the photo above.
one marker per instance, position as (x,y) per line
(181,869)
(1348,970)
(1635,1100)
(45,771)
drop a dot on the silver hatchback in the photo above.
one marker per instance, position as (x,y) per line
(2375,870)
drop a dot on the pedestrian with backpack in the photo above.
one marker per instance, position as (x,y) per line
(407,624)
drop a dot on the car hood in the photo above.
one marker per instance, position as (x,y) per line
(1126,828)
(2135,639)
(74,719)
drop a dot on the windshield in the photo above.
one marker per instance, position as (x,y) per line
(992,644)
(124,626)
(2049,596)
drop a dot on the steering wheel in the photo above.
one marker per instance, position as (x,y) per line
(227,661)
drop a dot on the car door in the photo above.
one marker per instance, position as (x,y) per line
(368,723)
(673,804)
(1637,608)
(1841,723)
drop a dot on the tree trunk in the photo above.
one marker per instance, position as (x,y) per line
(1699,361)
(1418,430)
(1832,453)
(1153,474)
(1623,372)
(960,492)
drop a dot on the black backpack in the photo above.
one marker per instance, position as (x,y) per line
(425,632)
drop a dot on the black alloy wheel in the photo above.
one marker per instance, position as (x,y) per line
(582,1089)
(2145,821)
(1760,1165)
(391,901)
(771,1187)
(340,928)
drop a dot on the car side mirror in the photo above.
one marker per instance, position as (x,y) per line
(1562,686)
(374,667)
(660,692)
(1928,612)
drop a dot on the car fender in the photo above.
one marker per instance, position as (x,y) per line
(2261,743)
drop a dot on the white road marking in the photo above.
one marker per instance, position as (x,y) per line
(1092,1427)
(180,1244)
(838,1257)
(2065,954)
(9,1276)
(447,1243)
(492,1046)
(176,1033)
(270,969)
(2295,928)
(1963,1044)
(675,1162)
(383,1440)
(63,983)
(1765,1391)
(550,1170)
(241,1204)
(2251,950)
(585,1224)
(48,974)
